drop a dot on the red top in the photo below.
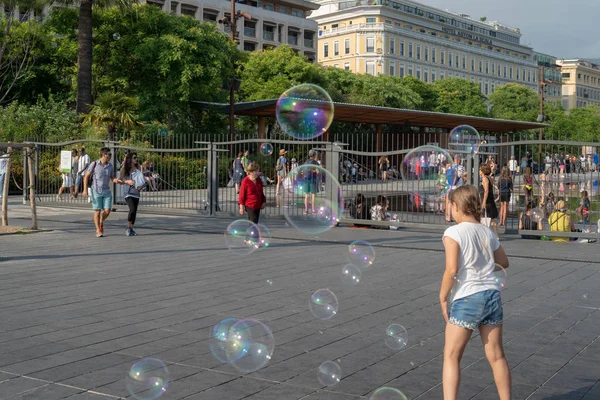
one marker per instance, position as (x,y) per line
(251,193)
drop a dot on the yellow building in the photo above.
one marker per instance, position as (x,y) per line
(408,38)
(580,83)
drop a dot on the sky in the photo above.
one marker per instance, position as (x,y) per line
(565,29)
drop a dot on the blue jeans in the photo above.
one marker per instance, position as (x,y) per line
(482,308)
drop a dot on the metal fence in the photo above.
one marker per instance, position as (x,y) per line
(195,173)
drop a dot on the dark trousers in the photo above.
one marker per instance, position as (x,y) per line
(132,202)
(253,214)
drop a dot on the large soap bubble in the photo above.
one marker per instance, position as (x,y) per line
(250,345)
(315,199)
(305,111)
(464,139)
(147,379)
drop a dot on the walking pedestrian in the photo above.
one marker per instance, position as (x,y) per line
(132,176)
(82,166)
(102,173)
(238,172)
(252,197)
(73,174)
(469,294)
(281,168)
(505,186)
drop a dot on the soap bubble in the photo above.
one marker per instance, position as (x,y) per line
(396,337)
(329,373)
(427,173)
(464,139)
(264,235)
(387,393)
(116,36)
(250,345)
(351,275)
(266,149)
(537,215)
(147,379)
(499,276)
(306,183)
(323,304)
(242,237)
(218,339)
(361,254)
(304,111)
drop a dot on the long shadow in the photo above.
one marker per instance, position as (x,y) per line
(576,394)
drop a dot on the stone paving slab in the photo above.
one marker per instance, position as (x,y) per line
(78,311)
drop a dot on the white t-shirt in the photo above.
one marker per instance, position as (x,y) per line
(476,264)
(84,162)
(512,165)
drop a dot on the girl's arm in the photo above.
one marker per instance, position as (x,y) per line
(452,258)
(500,258)
(521,221)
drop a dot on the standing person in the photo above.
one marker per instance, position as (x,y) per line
(528,180)
(2,172)
(505,187)
(102,173)
(469,295)
(132,176)
(245,161)
(238,172)
(384,165)
(82,166)
(486,191)
(583,211)
(66,183)
(311,186)
(252,197)
(74,166)
(359,210)
(281,168)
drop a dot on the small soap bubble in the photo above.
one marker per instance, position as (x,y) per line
(499,276)
(219,337)
(537,215)
(316,200)
(250,345)
(304,111)
(323,304)
(269,282)
(266,149)
(351,275)
(361,254)
(585,296)
(116,36)
(465,139)
(264,235)
(329,373)
(242,237)
(396,337)
(147,379)
(387,393)
(412,364)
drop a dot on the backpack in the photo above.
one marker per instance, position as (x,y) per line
(92,168)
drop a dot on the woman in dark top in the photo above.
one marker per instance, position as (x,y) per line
(489,212)
(526,223)
(505,187)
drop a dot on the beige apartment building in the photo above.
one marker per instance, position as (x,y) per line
(404,37)
(580,83)
(273,22)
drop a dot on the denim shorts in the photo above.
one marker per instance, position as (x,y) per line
(101,201)
(482,308)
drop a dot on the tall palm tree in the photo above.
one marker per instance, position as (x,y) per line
(84,50)
(112,110)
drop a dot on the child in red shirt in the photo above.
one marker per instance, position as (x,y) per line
(252,197)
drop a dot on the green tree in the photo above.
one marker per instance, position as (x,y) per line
(514,102)
(427,93)
(112,110)
(586,124)
(458,96)
(384,91)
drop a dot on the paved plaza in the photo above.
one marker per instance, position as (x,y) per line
(76,312)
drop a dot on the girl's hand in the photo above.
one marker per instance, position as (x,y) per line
(263,206)
(241,210)
(444,305)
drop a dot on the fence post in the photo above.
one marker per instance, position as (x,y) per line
(25,172)
(37,169)
(34,224)
(6,186)
(213,179)
(332,160)
(113,155)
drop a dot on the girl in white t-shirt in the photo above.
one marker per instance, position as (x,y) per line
(470,296)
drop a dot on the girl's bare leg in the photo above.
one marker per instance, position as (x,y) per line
(456,340)
(491,337)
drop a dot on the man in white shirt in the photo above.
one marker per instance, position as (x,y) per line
(84,163)
(512,166)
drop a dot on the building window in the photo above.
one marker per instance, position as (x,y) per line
(392,69)
(347,46)
(518,73)
(449,58)
(457,64)
(410,70)
(433,50)
(493,88)
(418,72)
(426,74)
(336,65)
(371,20)
(410,48)
(480,66)
(472,65)
(401,70)
(510,73)
(392,46)
(487,67)
(336,48)
(370,68)
(442,74)
(486,89)
(433,75)
(370,45)
(464,62)
(505,71)
(347,66)
(442,54)
(523,75)
(426,53)
(418,52)
(493,68)
(326,50)
(402,49)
